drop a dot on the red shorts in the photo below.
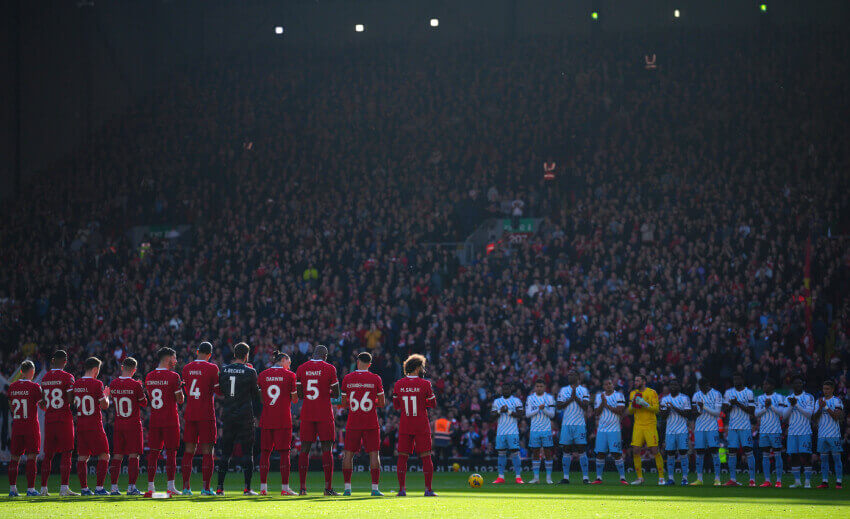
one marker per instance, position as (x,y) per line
(369,439)
(58,437)
(29,443)
(311,430)
(168,437)
(418,443)
(92,443)
(276,439)
(200,431)
(128,441)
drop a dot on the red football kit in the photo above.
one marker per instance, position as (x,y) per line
(24,396)
(91,438)
(362,388)
(128,397)
(277,385)
(57,387)
(201,380)
(316,377)
(412,396)
(164,426)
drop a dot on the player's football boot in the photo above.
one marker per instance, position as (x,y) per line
(331,492)
(534,481)
(731,483)
(684,482)
(249,492)
(44,492)
(172,492)
(14,493)
(752,483)
(549,481)
(499,480)
(287,492)
(717,482)
(519,481)
(821,486)
(564,481)
(86,492)
(662,483)
(807,485)
(263,493)
(624,482)
(585,481)
(186,492)
(697,483)
(219,491)
(669,483)
(115,493)
(766,484)
(302,492)
(778,484)
(148,494)
(838,485)
(67,493)
(101,492)
(33,493)
(638,481)
(401,493)
(430,493)
(377,493)
(346,493)
(796,485)
(596,482)
(134,492)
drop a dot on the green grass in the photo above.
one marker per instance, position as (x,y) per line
(455,499)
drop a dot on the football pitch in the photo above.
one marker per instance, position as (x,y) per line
(455,499)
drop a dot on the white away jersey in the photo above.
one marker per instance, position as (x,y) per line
(541,420)
(676,423)
(507,423)
(573,413)
(738,419)
(800,419)
(770,418)
(608,421)
(712,403)
(827,426)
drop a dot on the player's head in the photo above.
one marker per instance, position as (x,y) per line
(828,388)
(640,382)
(27,369)
(241,351)
(204,350)
(768,385)
(539,386)
(415,365)
(167,358)
(321,352)
(60,358)
(364,360)
(704,384)
(798,383)
(608,385)
(507,389)
(738,381)
(92,366)
(572,377)
(282,359)
(675,387)
(128,367)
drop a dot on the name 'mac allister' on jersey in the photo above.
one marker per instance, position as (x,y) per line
(608,421)
(712,405)
(676,423)
(541,419)
(238,385)
(573,413)
(738,419)
(800,413)
(770,417)
(507,423)
(827,425)
(128,396)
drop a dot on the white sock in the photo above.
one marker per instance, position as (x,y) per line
(171,486)
(31,489)
(63,488)
(284,487)
(151,488)
(98,488)
(13,488)
(84,488)
(264,486)
(43,490)
(375,485)
(348,486)
(115,488)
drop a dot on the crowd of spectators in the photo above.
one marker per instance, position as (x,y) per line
(320,190)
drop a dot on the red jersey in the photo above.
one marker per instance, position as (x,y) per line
(128,396)
(201,378)
(162,386)
(57,387)
(88,392)
(362,389)
(277,385)
(412,396)
(24,396)
(316,377)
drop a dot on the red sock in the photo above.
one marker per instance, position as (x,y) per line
(30,471)
(428,469)
(264,466)
(65,468)
(13,472)
(82,474)
(401,470)
(102,467)
(303,462)
(207,469)
(346,475)
(186,468)
(284,467)
(46,468)
(171,464)
(328,467)
(133,470)
(152,459)
(376,475)
(114,470)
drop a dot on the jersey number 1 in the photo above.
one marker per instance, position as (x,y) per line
(409,405)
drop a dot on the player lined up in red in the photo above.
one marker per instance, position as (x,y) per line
(412,396)
(57,388)
(129,397)
(278,393)
(200,377)
(362,394)
(165,390)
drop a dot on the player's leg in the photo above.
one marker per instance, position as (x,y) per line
(227,442)
(502,457)
(189,447)
(31,471)
(304,463)
(516,460)
(751,462)
(246,439)
(285,468)
(536,454)
(547,460)
(327,463)
(404,447)
(423,447)
(685,463)
(620,463)
(13,471)
(82,471)
(836,461)
(699,459)
(156,442)
(133,472)
(207,462)
(267,445)
(602,448)
(637,443)
(824,451)
(347,457)
(580,448)
(46,465)
(115,467)
(102,469)
(375,468)
(172,443)
(672,453)
(566,461)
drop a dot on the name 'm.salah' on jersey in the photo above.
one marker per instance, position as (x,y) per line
(238,385)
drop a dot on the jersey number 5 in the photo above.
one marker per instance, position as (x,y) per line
(312,389)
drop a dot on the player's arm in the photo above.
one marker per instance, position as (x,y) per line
(431,398)
(727,405)
(495,411)
(583,402)
(818,410)
(600,405)
(179,397)
(142,398)
(620,410)
(631,408)
(749,407)
(837,414)
(216,379)
(293,394)
(335,389)
(760,408)
(529,409)
(549,411)
(382,401)
(299,387)
(517,411)
(104,398)
(654,407)
(561,403)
